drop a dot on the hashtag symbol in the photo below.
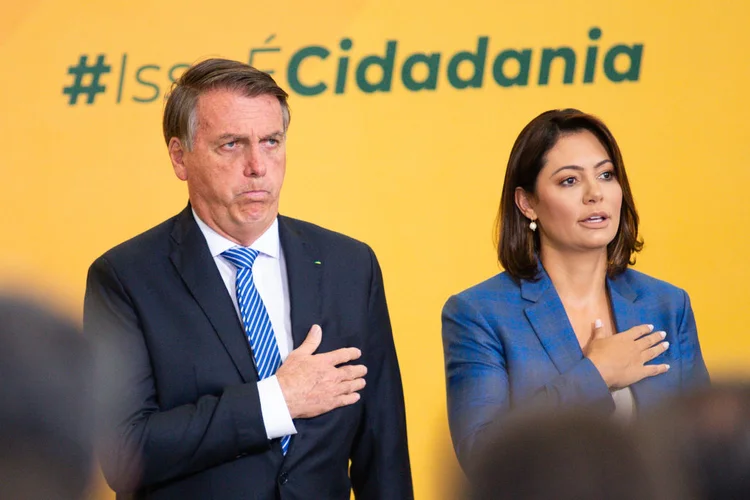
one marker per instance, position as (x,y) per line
(79,72)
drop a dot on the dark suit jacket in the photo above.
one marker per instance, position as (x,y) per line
(189,423)
(510,345)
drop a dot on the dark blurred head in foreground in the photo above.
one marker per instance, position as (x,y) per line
(705,436)
(46,404)
(565,456)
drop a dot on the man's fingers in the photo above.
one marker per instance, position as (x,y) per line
(639,331)
(355,385)
(344,393)
(341,355)
(312,341)
(348,399)
(351,372)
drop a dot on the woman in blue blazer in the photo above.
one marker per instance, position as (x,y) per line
(567,323)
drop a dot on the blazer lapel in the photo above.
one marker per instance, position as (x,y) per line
(197,268)
(550,322)
(627,315)
(622,298)
(303,269)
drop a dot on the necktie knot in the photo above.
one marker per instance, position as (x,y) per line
(241,257)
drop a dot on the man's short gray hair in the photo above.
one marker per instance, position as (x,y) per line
(180,117)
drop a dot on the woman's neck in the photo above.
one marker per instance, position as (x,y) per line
(579,277)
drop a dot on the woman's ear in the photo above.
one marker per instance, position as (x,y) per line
(524,202)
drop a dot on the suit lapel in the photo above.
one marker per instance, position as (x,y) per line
(550,322)
(303,269)
(193,261)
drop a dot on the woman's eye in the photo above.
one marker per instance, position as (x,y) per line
(569,181)
(608,175)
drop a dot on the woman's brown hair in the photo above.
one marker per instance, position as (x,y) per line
(517,246)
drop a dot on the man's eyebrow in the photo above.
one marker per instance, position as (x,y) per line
(278,133)
(230,135)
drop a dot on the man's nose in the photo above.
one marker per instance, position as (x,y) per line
(254,165)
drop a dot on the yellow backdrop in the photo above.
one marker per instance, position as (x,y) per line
(403,117)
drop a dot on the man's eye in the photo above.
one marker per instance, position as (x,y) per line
(230,144)
(272,142)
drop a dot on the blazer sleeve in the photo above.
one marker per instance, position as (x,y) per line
(141,444)
(693,369)
(476,375)
(477,380)
(380,468)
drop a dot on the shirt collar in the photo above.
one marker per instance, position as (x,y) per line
(268,243)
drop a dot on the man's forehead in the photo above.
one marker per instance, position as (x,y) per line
(224,105)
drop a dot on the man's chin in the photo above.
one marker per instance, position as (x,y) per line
(256,215)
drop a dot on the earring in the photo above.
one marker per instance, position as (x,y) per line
(532,225)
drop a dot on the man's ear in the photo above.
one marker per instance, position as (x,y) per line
(524,202)
(177,155)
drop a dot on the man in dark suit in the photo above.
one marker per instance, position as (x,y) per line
(241,326)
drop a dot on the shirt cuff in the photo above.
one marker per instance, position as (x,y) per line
(276,415)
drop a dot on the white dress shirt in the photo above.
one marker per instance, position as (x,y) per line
(270,278)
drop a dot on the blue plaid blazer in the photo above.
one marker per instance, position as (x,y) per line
(508,345)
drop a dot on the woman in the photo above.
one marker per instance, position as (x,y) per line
(567,323)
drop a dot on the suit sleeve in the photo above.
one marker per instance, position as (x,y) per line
(380,468)
(142,445)
(693,369)
(478,386)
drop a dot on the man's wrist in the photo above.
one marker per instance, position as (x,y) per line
(276,417)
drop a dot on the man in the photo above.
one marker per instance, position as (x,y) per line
(208,304)
(46,415)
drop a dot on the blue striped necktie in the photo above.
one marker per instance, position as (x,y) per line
(255,318)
